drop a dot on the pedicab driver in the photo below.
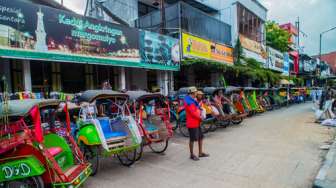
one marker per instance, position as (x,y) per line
(193,116)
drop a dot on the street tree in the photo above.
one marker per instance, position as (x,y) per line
(276,37)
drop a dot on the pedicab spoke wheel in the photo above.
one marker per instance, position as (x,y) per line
(139,152)
(205,128)
(173,122)
(127,158)
(213,127)
(159,147)
(237,121)
(183,129)
(33,182)
(91,154)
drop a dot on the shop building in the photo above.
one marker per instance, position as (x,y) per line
(293,48)
(247,19)
(37,57)
(189,21)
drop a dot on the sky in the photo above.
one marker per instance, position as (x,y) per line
(315,16)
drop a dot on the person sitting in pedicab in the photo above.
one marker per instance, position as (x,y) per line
(205,105)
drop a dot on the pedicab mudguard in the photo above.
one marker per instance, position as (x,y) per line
(20,168)
(88,135)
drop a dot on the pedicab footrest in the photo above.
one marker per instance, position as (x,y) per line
(116,142)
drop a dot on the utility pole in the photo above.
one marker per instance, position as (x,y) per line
(163,17)
(298,38)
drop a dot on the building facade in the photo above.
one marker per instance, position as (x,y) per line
(37,57)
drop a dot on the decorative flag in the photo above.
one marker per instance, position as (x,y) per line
(35,114)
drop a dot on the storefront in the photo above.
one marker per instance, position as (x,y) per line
(46,49)
(194,47)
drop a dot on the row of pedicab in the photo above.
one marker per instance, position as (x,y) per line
(49,142)
(230,105)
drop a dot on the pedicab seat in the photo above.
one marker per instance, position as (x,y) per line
(55,150)
(107,130)
(150,127)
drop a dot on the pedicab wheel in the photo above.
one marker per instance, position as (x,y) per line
(237,121)
(139,152)
(91,154)
(32,182)
(183,129)
(127,158)
(213,127)
(159,147)
(173,121)
(205,128)
(224,123)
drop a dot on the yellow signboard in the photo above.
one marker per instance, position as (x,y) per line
(195,47)
(200,48)
(221,53)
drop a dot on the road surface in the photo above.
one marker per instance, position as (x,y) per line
(278,149)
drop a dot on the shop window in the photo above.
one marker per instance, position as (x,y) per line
(73,77)
(56,76)
(41,77)
(17,76)
(152,80)
(89,77)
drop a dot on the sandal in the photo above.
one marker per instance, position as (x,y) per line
(203,155)
(193,157)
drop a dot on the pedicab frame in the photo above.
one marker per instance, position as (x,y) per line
(91,134)
(35,154)
(150,132)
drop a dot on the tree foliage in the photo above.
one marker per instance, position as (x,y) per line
(251,70)
(238,52)
(276,37)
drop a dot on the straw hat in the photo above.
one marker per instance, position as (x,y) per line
(192,89)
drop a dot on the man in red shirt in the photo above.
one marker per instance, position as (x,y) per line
(193,116)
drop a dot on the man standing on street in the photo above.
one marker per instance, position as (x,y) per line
(193,116)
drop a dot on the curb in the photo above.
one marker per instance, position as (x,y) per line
(321,180)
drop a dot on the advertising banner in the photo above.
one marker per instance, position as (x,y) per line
(275,60)
(30,31)
(159,50)
(285,70)
(195,47)
(221,53)
(251,45)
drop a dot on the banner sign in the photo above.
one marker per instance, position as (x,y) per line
(285,70)
(251,45)
(159,50)
(30,31)
(195,47)
(275,59)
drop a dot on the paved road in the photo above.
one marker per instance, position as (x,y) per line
(278,149)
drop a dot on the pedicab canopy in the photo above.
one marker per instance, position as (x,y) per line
(18,108)
(212,90)
(232,89)
(30,107)
(91,95)
(250,89)
(140,95)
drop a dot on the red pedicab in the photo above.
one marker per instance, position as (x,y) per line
(36,147)
(152,113)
